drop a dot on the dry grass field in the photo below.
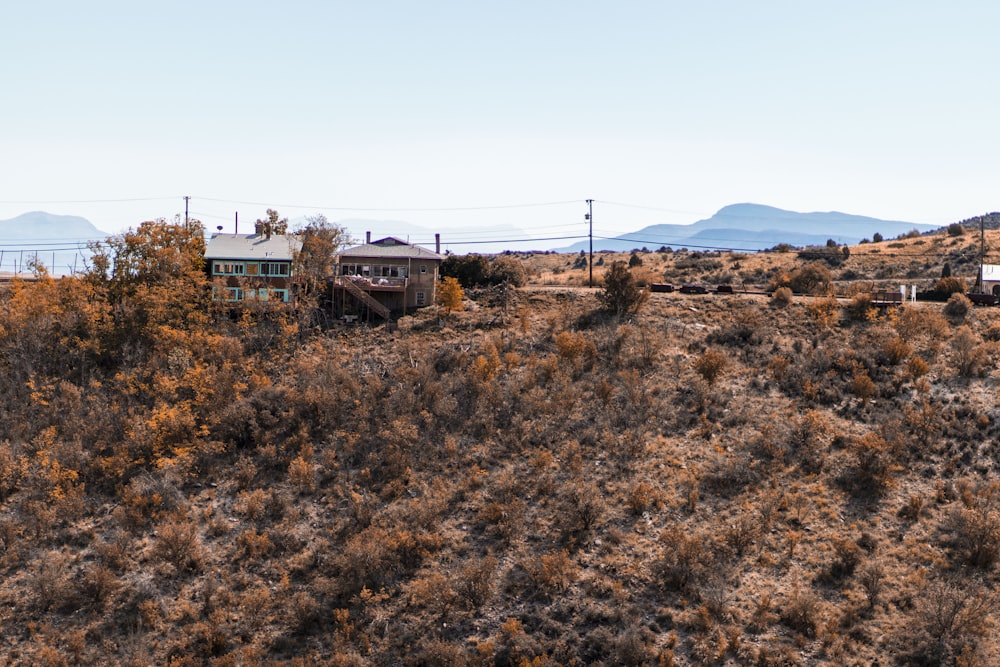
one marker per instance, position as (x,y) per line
(917,260)
(718,479)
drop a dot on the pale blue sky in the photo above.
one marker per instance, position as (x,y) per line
(377,110)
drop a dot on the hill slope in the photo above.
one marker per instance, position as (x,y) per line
(718,479)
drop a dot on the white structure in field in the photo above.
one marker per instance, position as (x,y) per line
(990,279)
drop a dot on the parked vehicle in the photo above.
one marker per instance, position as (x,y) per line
(982,299)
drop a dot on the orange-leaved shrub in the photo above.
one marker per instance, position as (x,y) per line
(710,365)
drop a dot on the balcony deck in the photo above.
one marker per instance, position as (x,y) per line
(373,284)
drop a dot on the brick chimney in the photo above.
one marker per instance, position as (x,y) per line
(368,237)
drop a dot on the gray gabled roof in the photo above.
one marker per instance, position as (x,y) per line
(278,247)
(390,248)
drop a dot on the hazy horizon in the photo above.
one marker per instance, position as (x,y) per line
(482,118)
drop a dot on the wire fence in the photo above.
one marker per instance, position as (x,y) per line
(23,261)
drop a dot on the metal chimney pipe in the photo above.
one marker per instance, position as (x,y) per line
(437,243)
(368,237)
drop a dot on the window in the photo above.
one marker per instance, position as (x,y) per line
(274,268)
(420,298)
(423,268)
(373,270)
(252,268)
(232,294)
(228,269)
(251,294)
(271,294)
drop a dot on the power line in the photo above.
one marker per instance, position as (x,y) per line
(480,236)
(526,240)
(198,215)
(487,237)
(390,209)
(927,254)
(53,245)
(84,201)
(83,245)
(439,209)
(686,245)
(672,239)
(647,208)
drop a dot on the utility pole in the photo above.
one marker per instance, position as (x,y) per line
(590,219)
(982,253)
(186,200)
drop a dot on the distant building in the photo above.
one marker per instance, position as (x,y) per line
(990,279)
(252,267)
(384,276)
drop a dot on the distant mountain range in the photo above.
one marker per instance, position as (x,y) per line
(59,242)
(751,227)
(41,226)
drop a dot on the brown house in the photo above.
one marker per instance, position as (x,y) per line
(385,276)
(251,267)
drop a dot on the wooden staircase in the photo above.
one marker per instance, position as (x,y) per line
(365,298)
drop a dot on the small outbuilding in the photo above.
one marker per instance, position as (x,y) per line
(990,279)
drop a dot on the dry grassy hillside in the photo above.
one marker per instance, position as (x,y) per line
(717,479)
(916,260)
